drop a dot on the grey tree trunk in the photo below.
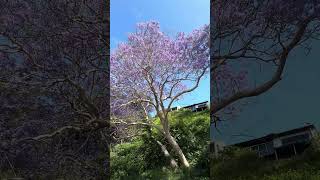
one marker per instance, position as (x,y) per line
(172,141)
(177,150)
(166,153)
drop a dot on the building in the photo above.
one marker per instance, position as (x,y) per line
(194,107)
(281,145)
(174,108)
(198,107)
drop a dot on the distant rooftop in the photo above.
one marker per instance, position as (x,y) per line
(205,102)
(194,107)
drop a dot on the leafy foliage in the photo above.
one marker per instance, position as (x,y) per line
(240,164)
(143,158)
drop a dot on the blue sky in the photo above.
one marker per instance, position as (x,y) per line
(173,15)
(290,104)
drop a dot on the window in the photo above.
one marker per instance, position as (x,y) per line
(296,139)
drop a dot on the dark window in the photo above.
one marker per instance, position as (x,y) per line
(296,139)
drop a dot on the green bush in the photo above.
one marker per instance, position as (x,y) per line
(234,163)
(192,133)
(313,152)
(142,158)
(303,174)
(241,164)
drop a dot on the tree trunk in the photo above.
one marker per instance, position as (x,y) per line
(166,153)
(172,161)
(171,140)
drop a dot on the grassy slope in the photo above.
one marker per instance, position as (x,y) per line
(192,131)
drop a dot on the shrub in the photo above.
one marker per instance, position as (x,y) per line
(126,160)
(235,162)
(313,152)
(142,158)
(241,164)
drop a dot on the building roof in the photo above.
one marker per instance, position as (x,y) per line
(272,136)
(195,104)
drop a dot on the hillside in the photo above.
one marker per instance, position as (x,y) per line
(239,164)
(142,158)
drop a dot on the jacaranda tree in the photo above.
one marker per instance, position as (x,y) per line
(247,35)
(54,89)
(153,70)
